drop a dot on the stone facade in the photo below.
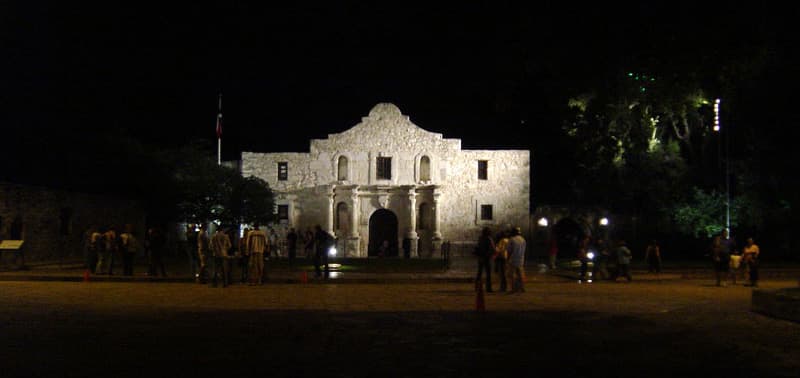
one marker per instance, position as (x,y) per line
(53,222)
(388,179)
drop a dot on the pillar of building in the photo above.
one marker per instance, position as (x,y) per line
(353,239)
(437,235)
(411,233)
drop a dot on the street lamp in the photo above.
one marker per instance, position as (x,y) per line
(718,128)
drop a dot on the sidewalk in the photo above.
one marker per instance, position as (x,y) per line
(461,270)
(303,271)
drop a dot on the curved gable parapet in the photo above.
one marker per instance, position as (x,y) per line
(387,129)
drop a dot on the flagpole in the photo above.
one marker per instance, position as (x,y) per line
(219,132)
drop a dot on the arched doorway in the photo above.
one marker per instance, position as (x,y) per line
(382,226)
(568,233)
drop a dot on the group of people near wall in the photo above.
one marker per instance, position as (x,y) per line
(506,253)
(104,248)
(251,253)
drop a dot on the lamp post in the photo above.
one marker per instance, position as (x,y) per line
(718,129)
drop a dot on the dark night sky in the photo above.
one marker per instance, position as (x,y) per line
(291,73)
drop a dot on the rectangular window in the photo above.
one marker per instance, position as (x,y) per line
(486,212)
(384,168)
(283,213)
(483,169)
(283,171)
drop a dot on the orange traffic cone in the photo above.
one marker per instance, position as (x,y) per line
(480,304)
(304,277)
(86,275)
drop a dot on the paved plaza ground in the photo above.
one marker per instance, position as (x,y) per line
(647,328)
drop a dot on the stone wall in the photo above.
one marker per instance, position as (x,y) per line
(53,221)
(315,185)
(506,189)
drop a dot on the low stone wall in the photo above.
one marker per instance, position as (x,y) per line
(53,222)
(780,303)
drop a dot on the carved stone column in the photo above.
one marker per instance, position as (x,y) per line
(411,233)
(353,239)
(437,235)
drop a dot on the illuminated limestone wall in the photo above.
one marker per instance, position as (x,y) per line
(433,187)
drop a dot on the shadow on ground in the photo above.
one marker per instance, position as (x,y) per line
(321,343)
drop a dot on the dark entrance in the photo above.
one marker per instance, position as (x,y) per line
(568,233)
(382,227)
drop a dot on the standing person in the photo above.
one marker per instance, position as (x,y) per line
(383,250)
(291,243)
(244,255)
(735,265)
(751,253)
(600,268)
(257,244)
(220,245)
(323,241)
(583,257)
(484,251)
(501,258)
(202,254)
(552,252)
(158,243)
(110,248)
(128,247)
(274,245)
(624,256)
(652,254)
(720,259)
(516,257)
(91,247)
(308,246)
(729,249)
(100,248)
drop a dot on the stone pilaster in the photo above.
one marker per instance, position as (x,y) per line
(437,235)
(353,239)
(411,233)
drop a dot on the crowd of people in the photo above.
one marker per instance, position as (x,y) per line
(502,253)
(610,262)
(103,247)
(252,252)
(211,257)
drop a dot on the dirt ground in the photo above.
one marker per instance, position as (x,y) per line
(639,329)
